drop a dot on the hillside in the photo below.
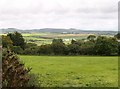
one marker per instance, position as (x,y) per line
(58,30)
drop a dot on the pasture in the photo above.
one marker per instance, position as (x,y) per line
(46,38)
(74,71)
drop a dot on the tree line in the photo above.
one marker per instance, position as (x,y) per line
(94,45)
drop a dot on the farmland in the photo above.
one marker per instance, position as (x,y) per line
(42,38)
(74,71)
(46,38)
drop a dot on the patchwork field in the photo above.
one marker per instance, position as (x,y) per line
(74,71)
(46,38)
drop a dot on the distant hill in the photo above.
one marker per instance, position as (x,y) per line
(55,30)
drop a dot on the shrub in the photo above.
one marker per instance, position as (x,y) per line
(17,49)
(13,72)
(45,49)
(31,51)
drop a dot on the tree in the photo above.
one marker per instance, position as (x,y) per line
(6,41)
(87,48)
(74,49)
(106,46)
(17,39)
(45,49)
(58,47)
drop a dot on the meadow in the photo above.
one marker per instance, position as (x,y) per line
(74,71)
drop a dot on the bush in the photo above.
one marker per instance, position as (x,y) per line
(106,46)
(17,49)
(31,51)
(74,49)
(45,50)
(59,48)
(13,72)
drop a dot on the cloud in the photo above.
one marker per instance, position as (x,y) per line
(80,14)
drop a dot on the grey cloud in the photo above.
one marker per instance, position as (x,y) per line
(60,14)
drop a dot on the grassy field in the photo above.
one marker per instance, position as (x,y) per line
(74,71)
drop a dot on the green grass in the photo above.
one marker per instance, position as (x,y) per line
(74,71)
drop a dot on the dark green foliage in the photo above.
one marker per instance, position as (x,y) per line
(74,49)
(58,47)
(17,49)
(87,48)
(45,50)
(31,50)
(17,39)
(106,46)
(13,72)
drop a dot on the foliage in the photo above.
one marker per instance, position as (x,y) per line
(17,39)
(17,49)
(91,38)
(13,72)
(93,45)
(58,47)
(87,48)
(6,41)
(31,50)
(106,46)
(74,49)
(45,49)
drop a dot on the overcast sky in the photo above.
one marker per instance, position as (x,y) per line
(79,14)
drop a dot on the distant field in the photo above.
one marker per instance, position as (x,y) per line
(74,71)
(46,38)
